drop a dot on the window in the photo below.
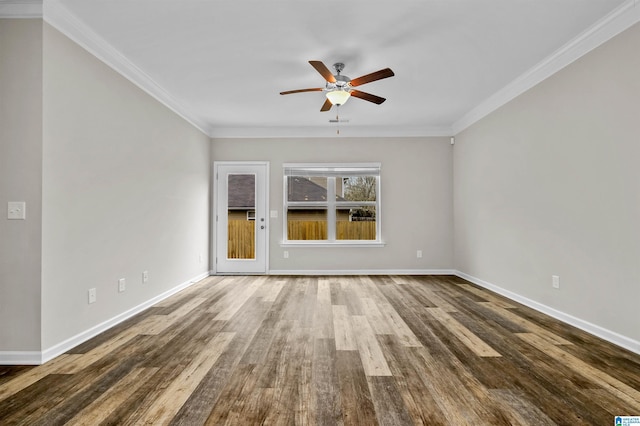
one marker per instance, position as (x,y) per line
(332,203)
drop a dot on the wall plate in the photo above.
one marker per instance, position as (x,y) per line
(16,210)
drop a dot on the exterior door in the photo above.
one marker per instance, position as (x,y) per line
(240,221)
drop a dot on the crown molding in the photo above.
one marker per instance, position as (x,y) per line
(605,29)
(329,131)
(64,21)
(21,9)
(68,24)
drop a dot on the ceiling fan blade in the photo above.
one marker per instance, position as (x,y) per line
(323,70)
(378,75)
(367,96)
(315,89)
(326,106)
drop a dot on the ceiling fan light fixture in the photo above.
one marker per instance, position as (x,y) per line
(339,88)
(338,96)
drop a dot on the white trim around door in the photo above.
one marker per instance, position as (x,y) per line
(253,178)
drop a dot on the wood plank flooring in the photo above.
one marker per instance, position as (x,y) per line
(388,350)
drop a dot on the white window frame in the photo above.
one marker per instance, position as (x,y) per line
(332,171)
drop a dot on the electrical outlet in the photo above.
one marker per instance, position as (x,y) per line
(92,295)
(122,285)
(555,281)
(419,254)
(145,276)
(200,258)
(16,210)
(285,254)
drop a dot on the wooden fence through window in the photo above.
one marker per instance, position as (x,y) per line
(306,230)
(241,242)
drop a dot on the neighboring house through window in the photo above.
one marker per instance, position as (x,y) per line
(242,197)
(332,203)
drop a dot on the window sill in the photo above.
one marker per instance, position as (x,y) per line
(332,244)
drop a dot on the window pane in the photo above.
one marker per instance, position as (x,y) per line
(356,188)
(241,202)
(331,203)
(356,223)
(307,224)
(301,188)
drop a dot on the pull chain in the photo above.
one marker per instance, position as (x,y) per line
(337,119)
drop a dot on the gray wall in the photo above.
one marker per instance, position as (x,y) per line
(115,184)
(550,185)
(20,180)
(416,185)
(125,189)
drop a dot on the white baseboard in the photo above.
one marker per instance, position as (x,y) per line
(321,272)
(37,358)
(20,358)
(596,330)
(74,341)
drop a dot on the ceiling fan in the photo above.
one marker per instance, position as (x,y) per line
(339,87)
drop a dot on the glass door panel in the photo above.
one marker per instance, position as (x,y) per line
(241,214)
(240,202)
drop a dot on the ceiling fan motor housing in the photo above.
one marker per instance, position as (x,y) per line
(342,83)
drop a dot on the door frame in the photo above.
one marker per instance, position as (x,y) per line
(214,221)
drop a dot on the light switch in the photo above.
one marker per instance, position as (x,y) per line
(16,210)
(273,214)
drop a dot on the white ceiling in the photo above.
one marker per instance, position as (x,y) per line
(222,63)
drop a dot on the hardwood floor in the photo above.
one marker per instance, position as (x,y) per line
(389,350)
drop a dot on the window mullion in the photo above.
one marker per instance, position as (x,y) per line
(331,208)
